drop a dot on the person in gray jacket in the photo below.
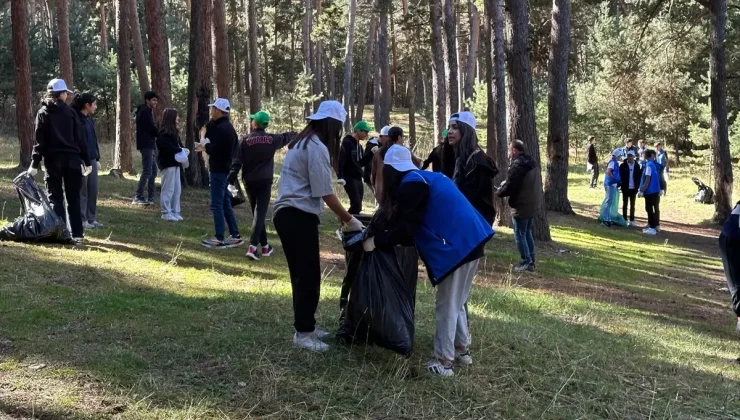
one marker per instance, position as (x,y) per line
(523,186)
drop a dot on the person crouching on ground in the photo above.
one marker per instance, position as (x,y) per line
(729,250)
(305,185)
(168,145)
(524,189)
(219,142)
(60,143)
(85,105)
(650,190)
(255,157)
(630,173)
(450,238)
(611,180)
(349,172)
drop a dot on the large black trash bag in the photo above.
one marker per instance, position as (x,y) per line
(38,223)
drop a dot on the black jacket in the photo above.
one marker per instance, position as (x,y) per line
(59,136)
(367,160)
(523,186)
(87,131)
(592,158)
(477,184)
(434,159)
(255,156)
(624,173)
(222,146)
(349,159)
(146,128)
(168,145)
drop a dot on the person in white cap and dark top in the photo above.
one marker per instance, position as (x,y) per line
(437,154)
(255,158)
(367,162)
(473,169)
(376,165)
(630,174)
(219,142)
(146,143)
(85,105)
(306,183)
(349,170)
(61,144)
(417,205)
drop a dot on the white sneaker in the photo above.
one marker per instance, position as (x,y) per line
(436,367)
(463,358)
(632,224)
(168,217)
(87,226)
(309,342)
(321,333)
(657,228)
(650,232)
(96,225)
(179,218)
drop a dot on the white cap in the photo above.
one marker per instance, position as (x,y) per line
(330,109)
(399,158)
(618,153)
(57,85)
(464,117)
(384,131)
(221,104)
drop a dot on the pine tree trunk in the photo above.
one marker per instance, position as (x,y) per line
(235,43)
(318,53)
(103,30)
(556,181)
(221,50)
(122,160)
(470,70)
(255,101)
(65,51)
(411,99)
(365,76)
(22,68)
(199,89)
(384,101)
(347,86)
(158,54)
(450,58)
(132,19)
(394,74)
(438,71)
(307,50)
(521,97)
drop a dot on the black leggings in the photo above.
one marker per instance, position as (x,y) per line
(355,190)
(64,179)
(299,234)
(258,194)
(730,253)
(652,207)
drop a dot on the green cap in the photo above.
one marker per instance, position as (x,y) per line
(444,133)
(262,118)
(362,126)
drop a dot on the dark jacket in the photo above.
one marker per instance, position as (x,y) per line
(222,146)
(367,160)
(592,158)
(523,186)
(434,159)
(59,136)
(168,145)
(255,156)
(477,184)
(447,152)
(349,159)
(624,174)
(87,127)
(146,128)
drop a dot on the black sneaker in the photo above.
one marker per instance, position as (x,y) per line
(140,202)
(267,250)
(151,201)
(252,253)
(214,243)
(606,224)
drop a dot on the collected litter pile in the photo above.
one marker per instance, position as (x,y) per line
(37,222)
(705,194)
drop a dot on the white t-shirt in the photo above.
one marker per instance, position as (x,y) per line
(306,177)
(632,176)
(648,170)
(613,166)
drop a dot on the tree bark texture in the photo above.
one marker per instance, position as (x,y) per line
(235,51)
(22,68)
(132,19)
(103,30)
(383,101)
(199,90)
(472,63)
(367,66)
(159,57)
(450,58)
(220,37)
(521,97)
(438,70)
(65,51)
(307,50)
(347,86)
(556,180)
(122,160)
(411,98)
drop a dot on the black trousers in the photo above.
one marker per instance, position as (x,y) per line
(355,190)
(652,207)
(730,253)
(595,175)
(258,194)
(65,179)
(299,234)
(629,195)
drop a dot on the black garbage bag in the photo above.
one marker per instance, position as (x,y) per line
(237,198)
(352,242)
(38,222)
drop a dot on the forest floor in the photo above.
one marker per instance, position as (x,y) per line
(143,323)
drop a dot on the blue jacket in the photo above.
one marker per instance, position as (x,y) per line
(660,160)
(654,186)
(451,230)
(612,180)
(731,228)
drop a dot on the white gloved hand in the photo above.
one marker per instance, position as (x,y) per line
(369,244)
(98,165)
(32,171)
(662,193)
(232,189)
(204,141)
(185,150)
(86,170)
(354,225)
(375,149)
(341,182)
(640,194)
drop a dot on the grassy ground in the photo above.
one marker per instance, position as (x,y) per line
(142,322)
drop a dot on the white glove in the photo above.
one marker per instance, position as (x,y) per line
(186,151)
(32,171)
(98,165)
(232,189)
(341,182)
(369,244)
(375,149)
(662,193)
(86,170)
(204,141)
(354,225)
(640,194)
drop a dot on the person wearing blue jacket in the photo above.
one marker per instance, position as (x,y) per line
(729,250)
(661,160)
(650,190)
(450,238)
(611,180)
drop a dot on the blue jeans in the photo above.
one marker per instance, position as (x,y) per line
(524,239)
(148,174)
(608,201)
(221,206)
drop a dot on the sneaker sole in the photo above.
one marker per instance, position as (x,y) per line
(268,254)
(209,246)
(253,257)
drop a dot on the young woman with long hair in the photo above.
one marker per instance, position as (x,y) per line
(168,145)
(306,183)
(85,105)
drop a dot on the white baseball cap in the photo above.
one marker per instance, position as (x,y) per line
(399,158)
(330,109)
(384,131)
(221,104)
(57,85)
(464,117)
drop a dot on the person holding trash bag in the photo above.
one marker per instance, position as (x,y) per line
(729,250)
(169,145)
(60,143)
(450,239)
(305,185)
(255,157)
(349,170)
(85,105)
(611,180)
(650,190)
